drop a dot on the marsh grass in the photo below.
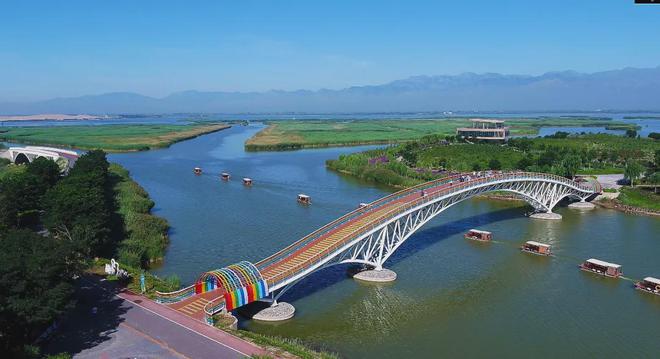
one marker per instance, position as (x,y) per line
(111,138)
(296,134)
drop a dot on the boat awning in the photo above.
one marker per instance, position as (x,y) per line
(247,179)
(652,280)
(602,263)
(538,244)
(479,231)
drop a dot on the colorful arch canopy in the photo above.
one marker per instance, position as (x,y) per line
(233,277)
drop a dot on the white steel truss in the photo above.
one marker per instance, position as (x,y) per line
(375,246)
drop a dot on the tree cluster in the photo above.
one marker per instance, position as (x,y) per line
(49,227)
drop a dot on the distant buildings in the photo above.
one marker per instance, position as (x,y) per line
(484,130)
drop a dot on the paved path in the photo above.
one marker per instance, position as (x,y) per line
(127,325)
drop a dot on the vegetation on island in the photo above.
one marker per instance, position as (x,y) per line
(563,154)
(296,134)
(111,138)
(52,228)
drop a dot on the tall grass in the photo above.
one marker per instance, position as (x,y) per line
(145,237)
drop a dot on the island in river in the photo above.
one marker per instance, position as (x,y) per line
(296,134)
(110,138)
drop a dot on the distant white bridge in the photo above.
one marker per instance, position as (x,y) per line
(23,155)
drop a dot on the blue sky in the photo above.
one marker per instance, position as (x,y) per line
(70,48)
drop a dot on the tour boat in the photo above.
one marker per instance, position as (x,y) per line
(304,199)
(650,285)
(362,205)
(197,171)
(225,176)
(536,248)
(478,235)
(602,268)
(247,181)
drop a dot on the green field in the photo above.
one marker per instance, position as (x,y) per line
(112,138)
(295,134)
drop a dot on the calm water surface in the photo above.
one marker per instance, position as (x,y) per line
(452,297)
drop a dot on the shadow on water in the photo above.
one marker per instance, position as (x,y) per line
(97,315)
(419,241)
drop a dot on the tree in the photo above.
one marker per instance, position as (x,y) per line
(631,133)
(35,283)
(46,171)
(654,135)
(570,165)
(632,171)
(494,164)
(524,163)
(20,194)
(476,166)
(654,179)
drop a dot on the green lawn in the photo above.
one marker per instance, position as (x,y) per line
(640,197)
(294,134)
(112,138)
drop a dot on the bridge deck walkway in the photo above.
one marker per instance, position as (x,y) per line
(303,255)
(194,306)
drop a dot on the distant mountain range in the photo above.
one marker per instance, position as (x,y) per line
(625,89)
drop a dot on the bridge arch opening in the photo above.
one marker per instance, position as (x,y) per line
(21,159)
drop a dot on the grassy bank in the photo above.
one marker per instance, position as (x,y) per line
(640,197)
(280,347)
(111,138)
(145,235)
(290,135)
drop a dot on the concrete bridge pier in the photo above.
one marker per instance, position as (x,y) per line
(546,215)
(377,275)
(582,204)
(276,312)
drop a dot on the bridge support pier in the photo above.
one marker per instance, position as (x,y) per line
(278,311)
(581,205)
(546,215)
(381,275)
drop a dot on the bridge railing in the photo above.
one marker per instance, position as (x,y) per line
(386,217)
(213,307)
(176,296)
(276,257)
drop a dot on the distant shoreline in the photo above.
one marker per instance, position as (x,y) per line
(49,117)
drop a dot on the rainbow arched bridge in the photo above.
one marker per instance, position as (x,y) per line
(368,235)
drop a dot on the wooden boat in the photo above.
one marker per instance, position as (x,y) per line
(304,199)
(197,171)
(478,235)
(247,181)
(225,176)
(602,268)
(533,247)
(649,285)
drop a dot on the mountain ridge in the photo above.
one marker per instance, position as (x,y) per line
(626,88)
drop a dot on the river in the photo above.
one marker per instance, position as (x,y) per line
(452,297)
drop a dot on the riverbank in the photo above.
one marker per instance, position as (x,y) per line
(110,138)
(292,135)
(145,235)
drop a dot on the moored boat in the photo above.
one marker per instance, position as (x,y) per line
(602,268)
(247,181)
(197,171)
(649,285)
(533,247)
(225,176)
(478,235)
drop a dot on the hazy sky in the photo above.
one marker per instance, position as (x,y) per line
(69,48)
